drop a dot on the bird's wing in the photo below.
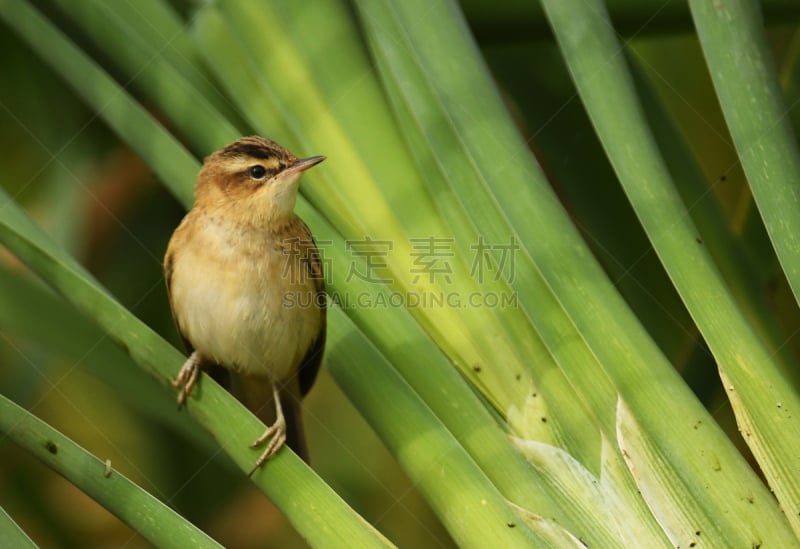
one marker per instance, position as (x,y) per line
(309,366)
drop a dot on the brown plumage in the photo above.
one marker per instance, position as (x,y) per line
(246,286)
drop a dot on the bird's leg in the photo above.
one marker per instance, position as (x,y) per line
(277,432)
(187,377)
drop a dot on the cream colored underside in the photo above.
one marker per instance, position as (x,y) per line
(231,299)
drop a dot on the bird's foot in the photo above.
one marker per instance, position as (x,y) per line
(187,377)
(275,434)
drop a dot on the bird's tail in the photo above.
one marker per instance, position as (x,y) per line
(293,412)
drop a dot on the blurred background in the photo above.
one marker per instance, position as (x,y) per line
(93,195)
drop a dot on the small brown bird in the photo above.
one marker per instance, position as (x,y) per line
(246,286)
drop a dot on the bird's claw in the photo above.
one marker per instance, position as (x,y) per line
(186,378)
(275,433)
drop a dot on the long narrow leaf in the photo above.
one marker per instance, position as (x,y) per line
(156,522)
(172,162)
(470,506)
(11,535)
(745,78)
(160,64)
(592,52)
(641,374)
(22,301)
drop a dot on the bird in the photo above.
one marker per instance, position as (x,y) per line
(246,287)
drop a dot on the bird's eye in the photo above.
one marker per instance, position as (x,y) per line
(258,171)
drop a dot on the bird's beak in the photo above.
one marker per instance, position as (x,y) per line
(303,164)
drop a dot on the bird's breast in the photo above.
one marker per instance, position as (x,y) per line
(244,297)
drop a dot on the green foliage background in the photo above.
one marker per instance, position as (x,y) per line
(418,146)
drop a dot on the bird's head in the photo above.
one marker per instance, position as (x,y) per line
(254,177)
